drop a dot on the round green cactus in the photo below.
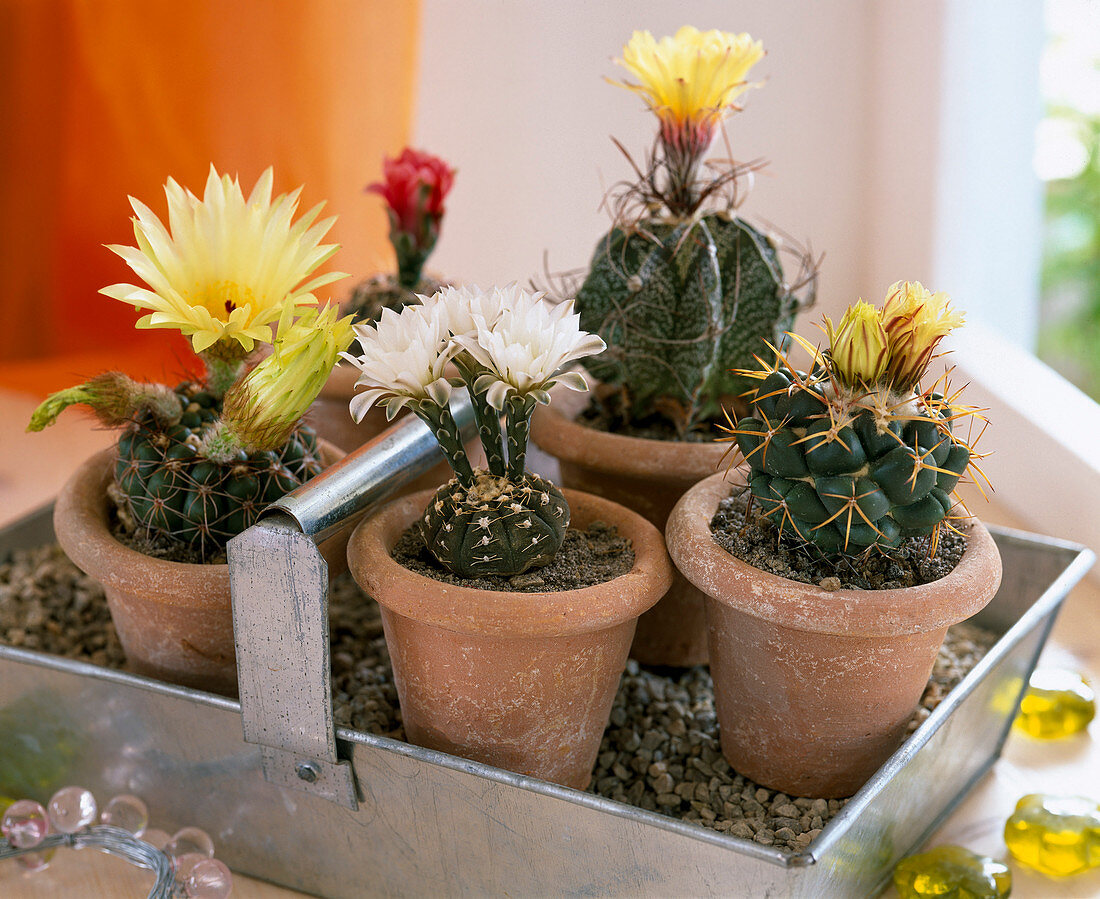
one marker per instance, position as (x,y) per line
(172,493)
(495,525)
(679,305)
(853,454)
(846,483)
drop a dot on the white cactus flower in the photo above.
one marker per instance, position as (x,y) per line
(403,359)
(462,308)
(525,350)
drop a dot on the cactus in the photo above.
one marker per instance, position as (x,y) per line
(415,187)
(495,525)
(509,347)
(169,493)
(852,454)
(197,464)
(682,292)
(679,305)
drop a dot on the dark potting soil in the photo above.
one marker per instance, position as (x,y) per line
(586,558)
(659,752)
(757,542)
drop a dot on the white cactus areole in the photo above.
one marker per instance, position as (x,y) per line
(509,347)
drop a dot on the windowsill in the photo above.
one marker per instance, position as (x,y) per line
(1043,439)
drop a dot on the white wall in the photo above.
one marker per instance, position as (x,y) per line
(886,152)
(514,95)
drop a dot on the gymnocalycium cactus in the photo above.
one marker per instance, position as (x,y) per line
(509,347)
(415,186)
(198,463)
(854,454)
(683,291)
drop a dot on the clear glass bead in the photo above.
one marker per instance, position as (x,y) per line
(156,837)
(37,861)
(187,840)
(24,824)
(209,879)
(184,864)
(127,812)
(71,808)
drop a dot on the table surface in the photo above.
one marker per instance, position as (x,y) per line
(34,466)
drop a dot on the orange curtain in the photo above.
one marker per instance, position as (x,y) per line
(101,99)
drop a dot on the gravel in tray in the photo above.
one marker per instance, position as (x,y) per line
(660,751)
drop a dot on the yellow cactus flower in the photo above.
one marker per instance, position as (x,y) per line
(262,408)
(229,265)
(915,320)
(859,346)
(690,80)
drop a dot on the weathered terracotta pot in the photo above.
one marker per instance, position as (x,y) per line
(523,681)
(814,688)
(648,476)
(330,418)
(174,619)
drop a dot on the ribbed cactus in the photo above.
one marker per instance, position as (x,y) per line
(172,494)
(495,525)
(679,306)
(197,464)
(681,289)
(852,454)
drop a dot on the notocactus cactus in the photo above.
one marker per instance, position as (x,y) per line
(680,306)
(171,493)
(509,347)
(197,464)
(852,454)
(681,289)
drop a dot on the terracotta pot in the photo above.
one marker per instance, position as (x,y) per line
(330,418)
(648,476)
(174,619)
(523,681)
(814,688)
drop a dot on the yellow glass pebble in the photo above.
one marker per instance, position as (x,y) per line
(1058,703)
(1057,835)
(951,872)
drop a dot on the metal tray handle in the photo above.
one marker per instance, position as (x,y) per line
(279,584)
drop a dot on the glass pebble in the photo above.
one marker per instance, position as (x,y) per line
(951,871)
(24,824)
(1057,835)
(71,808)
(209,879)
(127,812)
(37,861)
(1058,703)
(188,840)
(156,837)
(184,864)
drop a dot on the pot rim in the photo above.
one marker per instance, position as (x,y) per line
(557,432)
(845,612)
(502,613)
(81,515)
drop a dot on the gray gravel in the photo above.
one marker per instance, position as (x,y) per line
(660,751)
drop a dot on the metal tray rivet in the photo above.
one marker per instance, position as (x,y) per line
(308,771)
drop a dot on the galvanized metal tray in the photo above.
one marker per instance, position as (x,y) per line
(340,813)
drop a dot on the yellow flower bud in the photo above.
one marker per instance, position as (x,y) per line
(915,320)
(858,346)
(263,408)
